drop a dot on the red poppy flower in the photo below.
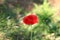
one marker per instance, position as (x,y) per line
(30,19)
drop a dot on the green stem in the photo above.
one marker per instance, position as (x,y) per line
(31,33)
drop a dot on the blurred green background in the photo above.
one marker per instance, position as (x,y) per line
(12,13)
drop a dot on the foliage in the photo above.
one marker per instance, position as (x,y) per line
(14,29)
